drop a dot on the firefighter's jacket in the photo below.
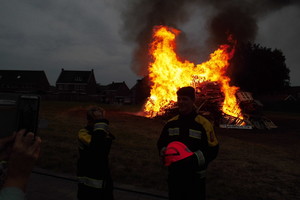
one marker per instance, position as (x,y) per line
(94,147)
(197,133)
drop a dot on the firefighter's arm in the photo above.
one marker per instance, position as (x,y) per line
(205,157)
(211,151)
(213,145)
(100,133)
(208,154)
(101,128)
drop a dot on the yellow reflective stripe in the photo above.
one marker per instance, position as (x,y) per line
(95,183)
(211,137)
(101,126)
(84,136)
(195,134)
(173,131)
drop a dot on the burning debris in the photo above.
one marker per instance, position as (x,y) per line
(216,98)
(209,103)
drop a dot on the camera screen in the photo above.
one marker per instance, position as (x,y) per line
(8,113)
(28,108)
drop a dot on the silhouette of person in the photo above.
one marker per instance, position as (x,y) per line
(95,139)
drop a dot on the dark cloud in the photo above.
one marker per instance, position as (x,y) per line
(51,34)
(238,18)
(71,34)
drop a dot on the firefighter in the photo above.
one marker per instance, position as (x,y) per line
(94,178)
(187,145)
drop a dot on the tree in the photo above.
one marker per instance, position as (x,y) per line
(259,69)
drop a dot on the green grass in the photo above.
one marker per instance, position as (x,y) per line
(252,164)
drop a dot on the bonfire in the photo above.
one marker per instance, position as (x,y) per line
(168,72)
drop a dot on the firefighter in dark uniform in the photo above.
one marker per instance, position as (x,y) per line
(94,178)
(187,145)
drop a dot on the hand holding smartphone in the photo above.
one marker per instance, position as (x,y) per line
(18,111)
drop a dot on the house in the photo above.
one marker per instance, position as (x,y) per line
(291,94)
(24,81)
(76,82)
(115,93)
(287,100)
(140,91)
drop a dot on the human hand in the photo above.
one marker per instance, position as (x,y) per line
(25,151)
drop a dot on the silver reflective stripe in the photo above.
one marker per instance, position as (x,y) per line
(200,156)
(202,173)
(101,126)
(91,182)
(195,134)
(173,131)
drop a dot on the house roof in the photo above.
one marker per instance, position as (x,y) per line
(67,76)
(22,77)
(116,86)
(120,88)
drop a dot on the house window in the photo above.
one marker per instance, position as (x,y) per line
(79,87)
(78,78)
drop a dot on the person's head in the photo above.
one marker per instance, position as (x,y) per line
(95,113)
(186,100)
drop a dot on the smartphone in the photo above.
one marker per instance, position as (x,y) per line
(8,114)
(28,112)
(18,111)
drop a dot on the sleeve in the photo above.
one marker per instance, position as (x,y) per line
(100,134)
(213,144)
(12,193)
(211,151)
(84,138)
(211,154)
(98,151)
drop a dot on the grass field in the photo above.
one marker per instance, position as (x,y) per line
(252,164)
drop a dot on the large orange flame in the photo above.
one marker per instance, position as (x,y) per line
(168,72)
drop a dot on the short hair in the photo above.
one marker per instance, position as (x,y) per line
(187,91)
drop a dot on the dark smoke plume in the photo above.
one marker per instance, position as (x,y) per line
(231,17)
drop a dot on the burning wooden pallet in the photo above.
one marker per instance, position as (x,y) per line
(209,100)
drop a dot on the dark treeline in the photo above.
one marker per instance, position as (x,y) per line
(259,69)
